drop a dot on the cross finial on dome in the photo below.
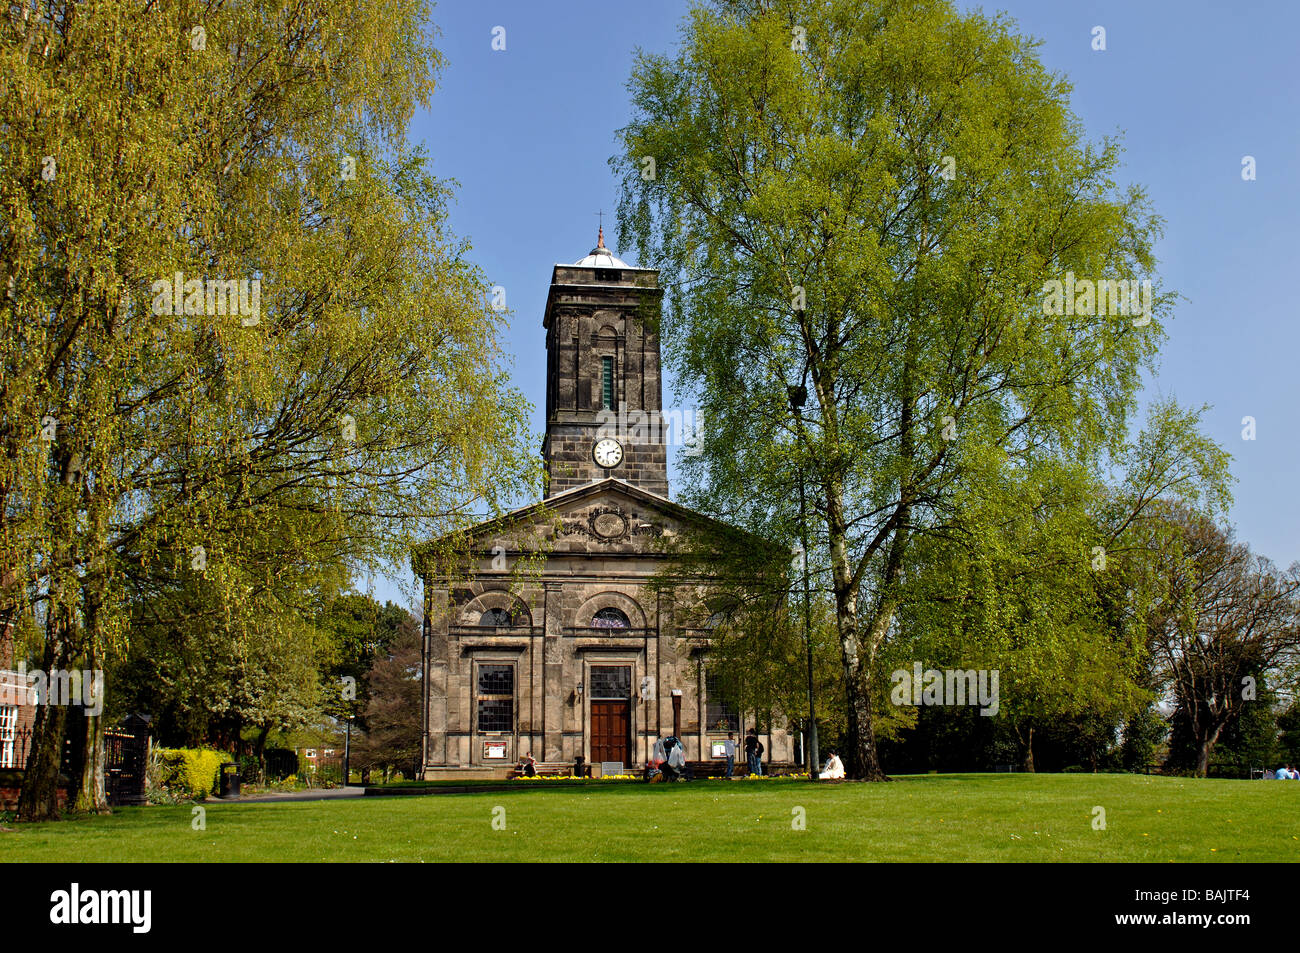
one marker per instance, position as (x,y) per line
(601,256)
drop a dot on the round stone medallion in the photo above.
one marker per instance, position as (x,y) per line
(609,525)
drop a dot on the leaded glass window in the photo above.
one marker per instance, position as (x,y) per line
(611,681)
(496,697)
(496,680)
(610,618)
(720,715)
(494,617)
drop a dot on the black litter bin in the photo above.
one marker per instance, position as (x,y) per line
(229,780)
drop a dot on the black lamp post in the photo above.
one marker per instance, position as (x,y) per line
(347,753)
(798,397)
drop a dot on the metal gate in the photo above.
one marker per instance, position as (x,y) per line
(126,751)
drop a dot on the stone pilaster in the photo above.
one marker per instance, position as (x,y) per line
(437,619)
(553,672)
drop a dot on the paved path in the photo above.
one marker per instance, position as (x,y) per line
(316,794)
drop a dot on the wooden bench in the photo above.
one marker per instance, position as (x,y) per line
(550,769)
(716,769)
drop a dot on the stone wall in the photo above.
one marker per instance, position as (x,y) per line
(569,461)
(553,653)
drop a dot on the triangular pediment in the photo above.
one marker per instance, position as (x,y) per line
(608,517)
(605,516)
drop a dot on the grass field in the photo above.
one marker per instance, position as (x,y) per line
(1013,817)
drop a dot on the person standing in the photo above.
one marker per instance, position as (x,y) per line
(754,753)
(729,749)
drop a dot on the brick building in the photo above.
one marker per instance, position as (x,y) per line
(550,638)
(17,713)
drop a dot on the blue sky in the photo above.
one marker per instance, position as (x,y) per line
(527,132)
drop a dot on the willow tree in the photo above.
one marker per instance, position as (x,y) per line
(861,203)
(238,340)
(1046,576)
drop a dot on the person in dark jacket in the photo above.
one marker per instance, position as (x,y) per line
(754,753)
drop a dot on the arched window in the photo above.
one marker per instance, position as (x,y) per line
(494,617)
(610,618)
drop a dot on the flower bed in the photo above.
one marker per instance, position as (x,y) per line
(637,777)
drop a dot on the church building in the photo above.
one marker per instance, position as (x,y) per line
(549,638)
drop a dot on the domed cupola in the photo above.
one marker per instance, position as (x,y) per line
(600,256)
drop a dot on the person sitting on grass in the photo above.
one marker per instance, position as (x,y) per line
(834,770)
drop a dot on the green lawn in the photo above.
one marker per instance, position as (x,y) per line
(1012,817)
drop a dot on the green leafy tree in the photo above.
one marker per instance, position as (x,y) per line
(1041,575)
(236,328)
(1227,621)
(864,202)
(394,712)
(1288,723)
(359,630)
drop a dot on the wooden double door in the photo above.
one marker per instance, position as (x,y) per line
(611,731)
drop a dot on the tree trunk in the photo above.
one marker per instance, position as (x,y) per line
(39,800)
(1029,752)
(261,752)
(862,734)
(864,761)
(92,793)
(1204,745)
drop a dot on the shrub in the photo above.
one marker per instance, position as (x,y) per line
(190,772)
(11,778)
(250,772)
(281,763)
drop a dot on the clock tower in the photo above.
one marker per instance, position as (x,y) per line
(604,395)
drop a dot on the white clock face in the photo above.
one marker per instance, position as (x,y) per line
(608,452)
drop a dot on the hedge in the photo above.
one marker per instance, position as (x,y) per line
(191,772)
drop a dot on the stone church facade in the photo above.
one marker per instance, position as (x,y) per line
(556,636)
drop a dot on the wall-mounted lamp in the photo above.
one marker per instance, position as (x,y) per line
(578,691)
